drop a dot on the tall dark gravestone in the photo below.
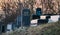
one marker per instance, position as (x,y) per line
(26,17)
(38,11)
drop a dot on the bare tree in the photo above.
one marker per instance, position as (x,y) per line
(49,7)
(58,7)
(10,12)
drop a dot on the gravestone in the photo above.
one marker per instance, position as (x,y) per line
(59,17)
(26,17)
(35,17)
(4,28)
(38,11)
(44,20)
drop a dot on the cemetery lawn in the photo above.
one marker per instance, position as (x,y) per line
(44,29)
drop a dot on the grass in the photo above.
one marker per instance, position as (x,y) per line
(44,29)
